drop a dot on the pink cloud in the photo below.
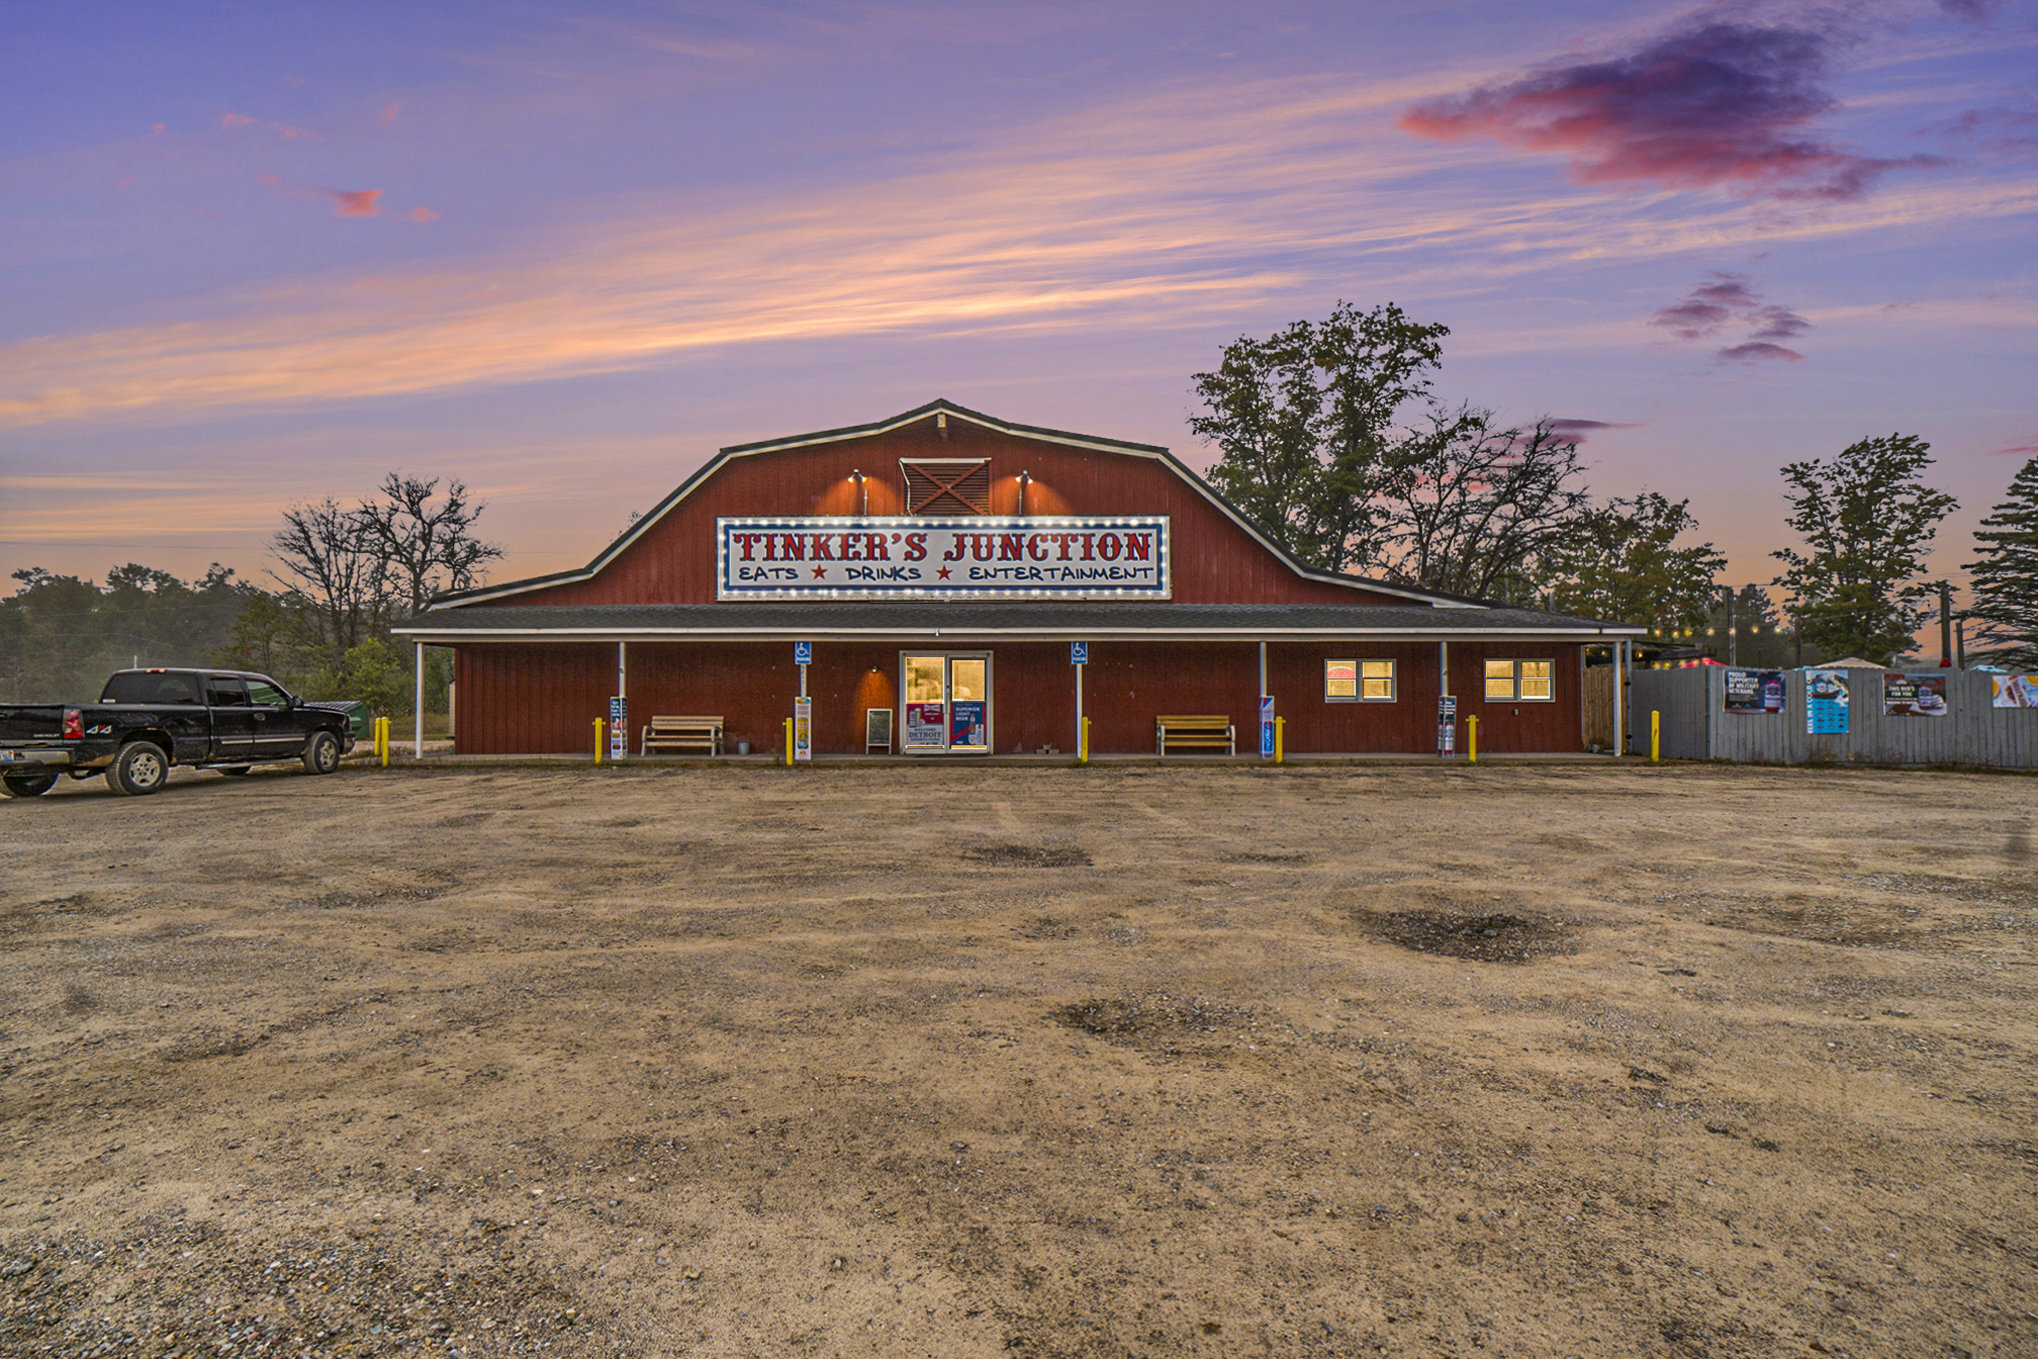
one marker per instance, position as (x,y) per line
(237,120)
(2029,450)
(421,215)
(1723,104)
(354,202)
(389,113)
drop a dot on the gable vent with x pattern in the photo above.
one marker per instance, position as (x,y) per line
(947,485)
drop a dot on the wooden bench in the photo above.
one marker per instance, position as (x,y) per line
(1205,731)
(682,735)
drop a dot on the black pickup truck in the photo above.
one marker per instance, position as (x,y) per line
(147,720)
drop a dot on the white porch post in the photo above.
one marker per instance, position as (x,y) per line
(418,707)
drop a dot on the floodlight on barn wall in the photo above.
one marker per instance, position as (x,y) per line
(947,485)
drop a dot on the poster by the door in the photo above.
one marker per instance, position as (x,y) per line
(1913,695)
(2015,691)
(925,724)
(966,722)
(803,728)
(1825,702)
(1755,691)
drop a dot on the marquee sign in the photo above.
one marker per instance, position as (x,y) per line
(946,557)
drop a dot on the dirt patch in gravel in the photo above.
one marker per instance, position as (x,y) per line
(1030,856)
(1501,937)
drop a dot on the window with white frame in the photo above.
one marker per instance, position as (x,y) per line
(1357,681)
(1521,681)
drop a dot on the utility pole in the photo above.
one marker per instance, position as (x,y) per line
(1945,623)
(1733,652)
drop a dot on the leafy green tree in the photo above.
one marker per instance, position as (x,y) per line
(1867,520)
(1304,421)
(62,635)
(1620,561)
(1472,508)
(2004,579)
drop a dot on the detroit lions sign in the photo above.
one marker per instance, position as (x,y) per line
(953,557)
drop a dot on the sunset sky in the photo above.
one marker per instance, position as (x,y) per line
(260,253)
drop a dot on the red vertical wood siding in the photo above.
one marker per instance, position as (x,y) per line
(518,699)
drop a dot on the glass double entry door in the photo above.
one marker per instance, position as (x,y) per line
(946,702)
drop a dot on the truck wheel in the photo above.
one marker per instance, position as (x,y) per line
(141,767)
(321,753)
(233,771)
(29,785)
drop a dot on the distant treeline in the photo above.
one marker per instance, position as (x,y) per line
(346,575)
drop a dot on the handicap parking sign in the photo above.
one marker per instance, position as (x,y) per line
(1079,653)
(803,653)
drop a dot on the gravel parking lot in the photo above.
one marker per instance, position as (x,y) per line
(957,1061)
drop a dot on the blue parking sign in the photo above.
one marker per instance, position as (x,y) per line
(803,653)
(1079,653)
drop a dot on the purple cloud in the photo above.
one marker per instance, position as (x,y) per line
(1728,298)
(1578,431)
(2029,450)
(1724,104)
(1756,351)
(1779,323)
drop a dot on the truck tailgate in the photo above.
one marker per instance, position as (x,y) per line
(32,722)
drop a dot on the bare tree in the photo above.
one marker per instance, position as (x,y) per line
(1477,505)
(333,568)
(425,545)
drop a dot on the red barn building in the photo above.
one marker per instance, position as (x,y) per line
(941,564)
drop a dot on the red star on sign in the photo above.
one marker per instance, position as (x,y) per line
(943,573)
(820,573)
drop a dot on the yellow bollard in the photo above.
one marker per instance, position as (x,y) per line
(1280,735)
(1083,743)
(1655,738)
(1472,740)
(788,743)
(600,728)
(382,740)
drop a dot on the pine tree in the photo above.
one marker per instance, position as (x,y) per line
(1867,521)
(2005,580)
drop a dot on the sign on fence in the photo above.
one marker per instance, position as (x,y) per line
(1755,691)
(1825,702)
(2015,691)
(1913,695)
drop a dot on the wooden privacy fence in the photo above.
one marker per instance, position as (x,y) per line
(1697,726)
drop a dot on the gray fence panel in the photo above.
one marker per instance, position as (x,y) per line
(1696,724)
(1755,736)
(1680,696)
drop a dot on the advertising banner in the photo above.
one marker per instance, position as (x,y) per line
(1266,726)
(944,557)
(1913,695)
(966,723)
(2015,691)
(1755,691)
(1825,702)
(619,729)
(925,724)
(803,729)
